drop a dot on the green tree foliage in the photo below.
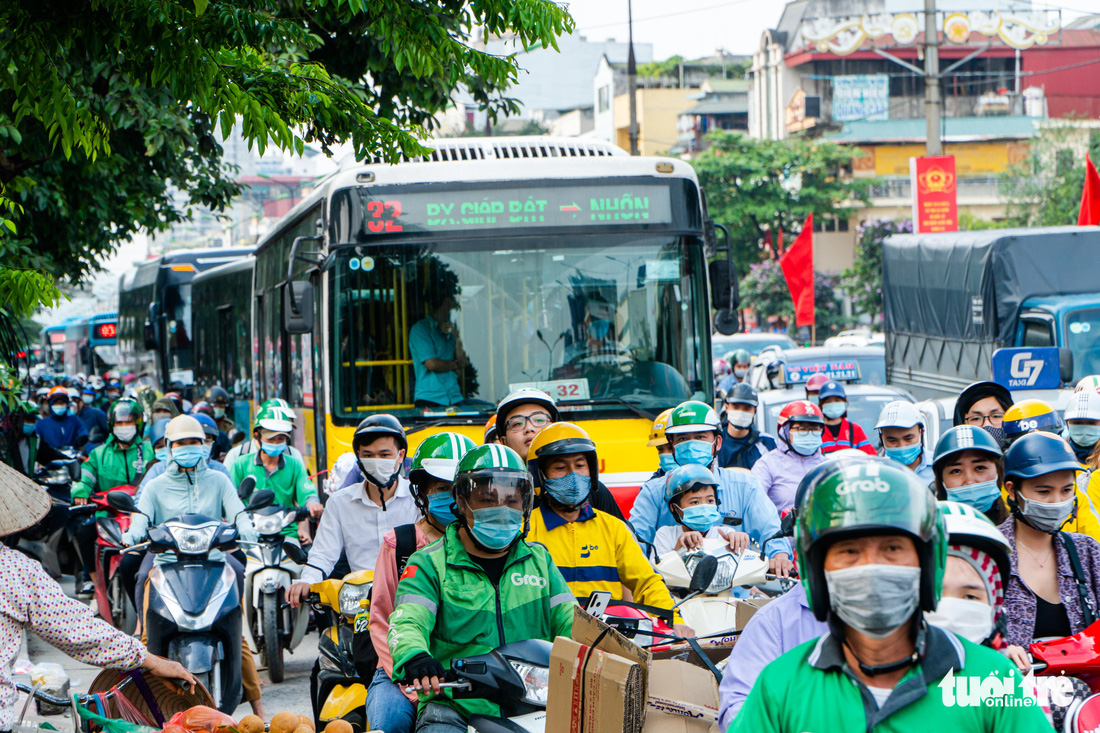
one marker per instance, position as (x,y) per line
(755,187)
(764,289)
(863,280)
(1045,189)
(104,106)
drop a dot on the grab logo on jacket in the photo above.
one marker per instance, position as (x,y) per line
(534,581)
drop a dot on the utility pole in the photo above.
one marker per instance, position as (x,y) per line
(632,79)
(933,100)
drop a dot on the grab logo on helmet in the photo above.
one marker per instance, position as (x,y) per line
(862,478)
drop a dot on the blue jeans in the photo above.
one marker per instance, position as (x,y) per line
(438,718)
(387,707)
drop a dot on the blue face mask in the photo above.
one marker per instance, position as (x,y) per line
(497,527)
(439,506)
(805,444)
(667,462)
(28,428)
(72,410)
(187,456)
(599,329)
(833,410)
(980,496)
(161,454)
(571,489)
(207,451)
(906,455)
(1085,436)
(697,452)
(273,449)
(59,409)
(701,517)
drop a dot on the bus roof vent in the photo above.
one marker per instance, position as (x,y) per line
(461,150)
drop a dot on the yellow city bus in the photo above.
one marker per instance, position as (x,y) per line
(570,265)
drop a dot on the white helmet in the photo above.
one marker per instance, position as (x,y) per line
(899,414)
(1091,383)
(1083,405)
(181,427)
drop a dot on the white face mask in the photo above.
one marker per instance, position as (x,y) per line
(379,471)
(972,620)
(125,433)
(739,418)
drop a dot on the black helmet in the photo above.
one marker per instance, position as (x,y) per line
(742,394)
(376,426)
(216,396)
(979,391)
(126,409)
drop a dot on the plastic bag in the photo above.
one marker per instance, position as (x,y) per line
(202,718)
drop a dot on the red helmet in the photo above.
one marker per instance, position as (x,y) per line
(801,411)
(813,384)
(721,367)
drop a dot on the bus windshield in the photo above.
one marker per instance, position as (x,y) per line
(431,329)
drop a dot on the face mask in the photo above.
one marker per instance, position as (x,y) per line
(698,452)
(273,449)
(972,620)
(667,462)
(570,490)
(598,329)
(905,456)
(835,410)
(439,506)
(87,399)
(497,527)
(701,517)
(125,433)
(805,444)
(187,456)
(72,410)
(740,373)
(28,428)
(980,496)
(207,451)
(162,416)
(997,433)
(379,471)
(1083,435)
(59,410)
(874,599)
(1046,517)
(112,395)
(739,418)
(219,413)
(161,454)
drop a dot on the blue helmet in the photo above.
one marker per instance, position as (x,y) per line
(1038,454)
(156,432)
(831,389)
(689,478)
(208,425)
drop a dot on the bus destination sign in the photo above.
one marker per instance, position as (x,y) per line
(526,207)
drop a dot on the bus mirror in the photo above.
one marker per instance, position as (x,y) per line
(723,286)
(1065,365)
(298,307)
(726,322)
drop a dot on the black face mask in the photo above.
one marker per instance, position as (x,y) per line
(998,434)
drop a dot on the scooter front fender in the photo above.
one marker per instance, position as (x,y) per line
(196,653)
(343,700)
(268,580)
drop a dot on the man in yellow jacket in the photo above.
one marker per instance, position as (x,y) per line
(593,550)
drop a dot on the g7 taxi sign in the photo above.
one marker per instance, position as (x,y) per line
(1035,368)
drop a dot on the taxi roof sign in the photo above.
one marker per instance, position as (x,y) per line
(845,370)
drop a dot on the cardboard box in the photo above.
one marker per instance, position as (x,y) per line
(717,612)
(636,691)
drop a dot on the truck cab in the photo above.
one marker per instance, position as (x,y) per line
(1064,321)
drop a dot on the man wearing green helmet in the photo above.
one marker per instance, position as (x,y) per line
(274,409)
(479,587)
(740,361)
(872,552)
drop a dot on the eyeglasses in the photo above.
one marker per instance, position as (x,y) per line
(806,429)
(538,421)
(994,419)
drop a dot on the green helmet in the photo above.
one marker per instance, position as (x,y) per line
(438,457)
(126,409)
(856,497)
(279,404)
(692,417)
(740,356)
(486,465)
(273,417)
(27,409)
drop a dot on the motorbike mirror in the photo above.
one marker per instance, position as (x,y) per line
(704,574)
(74,470)
(262,498)
(80,442)
(109,528)
(246,487)
(97,435)
(295,553)
(122,501)
(786,525)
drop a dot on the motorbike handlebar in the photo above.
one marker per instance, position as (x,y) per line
(463,686)
(43,696)
(140,547)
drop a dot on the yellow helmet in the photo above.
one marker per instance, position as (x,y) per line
(657,434)
(558,439)
(1029,416)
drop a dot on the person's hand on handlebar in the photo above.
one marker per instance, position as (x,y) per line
(738,541)
(689,540)
(426,673)
(683,630)
(296,594)
(79,500)
(781,565)
(169,670)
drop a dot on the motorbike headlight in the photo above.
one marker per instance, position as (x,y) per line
(723,578)
(192,540)
(352,597)
(536,682)
(57,477)
(269,523)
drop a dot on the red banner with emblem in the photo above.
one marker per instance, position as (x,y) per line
(935,203)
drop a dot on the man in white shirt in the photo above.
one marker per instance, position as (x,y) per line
(357,518)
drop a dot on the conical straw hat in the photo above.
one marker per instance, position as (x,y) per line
(22,501)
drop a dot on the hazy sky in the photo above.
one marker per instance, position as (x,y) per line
(695,28)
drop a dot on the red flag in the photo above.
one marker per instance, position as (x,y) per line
(1090,197)
(798,268)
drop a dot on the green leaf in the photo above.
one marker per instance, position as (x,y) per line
(200,6)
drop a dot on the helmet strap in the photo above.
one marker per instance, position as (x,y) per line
(874,670)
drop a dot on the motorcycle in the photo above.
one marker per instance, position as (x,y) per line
(269,627)
(50,542)
(1066,671)
(114,603)
(515,676)
(339,693)
(194,607)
